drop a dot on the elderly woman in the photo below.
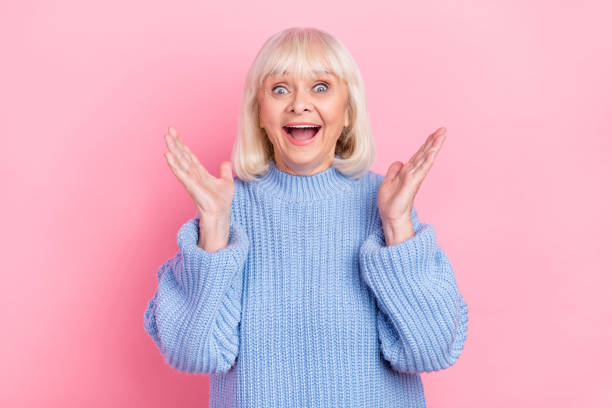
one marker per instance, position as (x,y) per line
(307,280)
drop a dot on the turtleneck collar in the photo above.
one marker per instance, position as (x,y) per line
(303,188)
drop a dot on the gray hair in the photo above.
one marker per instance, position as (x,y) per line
(292,50)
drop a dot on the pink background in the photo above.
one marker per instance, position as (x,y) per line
(519,195)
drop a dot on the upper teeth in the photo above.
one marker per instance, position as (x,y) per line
(303,126)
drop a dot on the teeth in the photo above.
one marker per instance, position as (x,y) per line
(304,126)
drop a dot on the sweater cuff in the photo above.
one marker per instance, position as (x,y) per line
(203,268)
(189,234)
(408,259)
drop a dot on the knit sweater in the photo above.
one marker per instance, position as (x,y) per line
(307,306)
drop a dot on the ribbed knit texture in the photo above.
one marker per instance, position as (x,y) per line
(307,306)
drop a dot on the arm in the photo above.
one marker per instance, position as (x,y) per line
(194,315)
(422,317)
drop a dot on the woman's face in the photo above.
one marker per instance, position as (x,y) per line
(320,101)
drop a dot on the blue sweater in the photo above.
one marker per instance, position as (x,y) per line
(307,306)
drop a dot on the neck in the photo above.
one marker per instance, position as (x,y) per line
(307,169)
(295,187)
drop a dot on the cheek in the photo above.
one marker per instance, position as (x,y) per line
(336,109)
(269,115)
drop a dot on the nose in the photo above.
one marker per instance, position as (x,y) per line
(300,102)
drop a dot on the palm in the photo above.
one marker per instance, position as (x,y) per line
(212,196)
(399,187)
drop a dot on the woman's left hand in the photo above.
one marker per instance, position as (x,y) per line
(399,187)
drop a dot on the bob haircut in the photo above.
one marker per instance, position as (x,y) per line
(291,50)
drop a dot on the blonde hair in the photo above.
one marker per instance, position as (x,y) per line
(292,49)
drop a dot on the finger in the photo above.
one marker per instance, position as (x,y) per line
(174,166)
(179,150)
(172,144)
(418,153)
(177,137)
(431,141)
(192,159)
(440,141)
(418,156)
(225,170)
(179,159)
(435,148)
(435,137)
(414,161)
(425,164)
(180,174)
(417,165)
(207,177)
(393,170)
(428,162)
(434,143)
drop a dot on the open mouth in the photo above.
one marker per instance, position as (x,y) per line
(302,132)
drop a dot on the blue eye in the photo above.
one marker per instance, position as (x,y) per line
(283,93)
(321,84)
(278,87)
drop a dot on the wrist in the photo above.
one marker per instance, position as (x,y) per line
(214,232)
(398,230)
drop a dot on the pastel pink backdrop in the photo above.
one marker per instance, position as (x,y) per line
(519,195)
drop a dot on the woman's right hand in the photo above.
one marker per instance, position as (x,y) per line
(212,196)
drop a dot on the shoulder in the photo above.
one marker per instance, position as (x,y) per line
(375,178)
(371,182)
(239,186)
(240,194)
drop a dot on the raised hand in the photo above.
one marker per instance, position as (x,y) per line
(212,196)
(399,187)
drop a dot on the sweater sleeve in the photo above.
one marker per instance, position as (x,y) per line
(194,315)
(421,317)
